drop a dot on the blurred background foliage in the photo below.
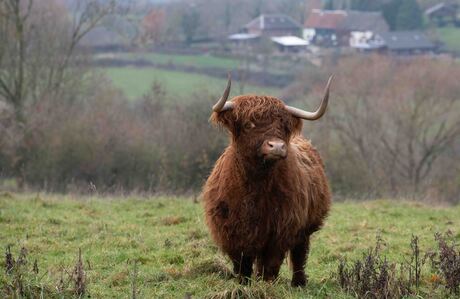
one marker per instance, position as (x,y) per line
(392,128)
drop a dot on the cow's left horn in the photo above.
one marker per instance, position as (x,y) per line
(318,113)
(222,104)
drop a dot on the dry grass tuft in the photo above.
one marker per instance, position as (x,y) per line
(22,280)
(196,235)
(6,195)
(79,276)
(370,277)
(9,260)
(211,266)
(173,220)
(257,290)
(119,278)
(446,262)
(374,276)
(134,281)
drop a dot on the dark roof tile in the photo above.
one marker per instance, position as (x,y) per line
(325,19)
(270,22)
(406,40)
(346,20)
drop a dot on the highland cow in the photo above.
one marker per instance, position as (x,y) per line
(268,191)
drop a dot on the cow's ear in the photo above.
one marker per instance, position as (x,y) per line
(294,125)
(225,119)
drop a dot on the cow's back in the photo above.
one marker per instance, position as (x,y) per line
(318,192)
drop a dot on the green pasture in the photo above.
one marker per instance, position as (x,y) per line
(200,61)
(135,82)
(450,36)
(275,65)
(160,247)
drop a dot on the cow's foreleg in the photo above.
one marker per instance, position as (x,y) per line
(298,256)
(242,267)
(269,264)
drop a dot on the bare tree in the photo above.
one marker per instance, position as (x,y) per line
(398,116)
(38,46)
(39,59)
(12,77)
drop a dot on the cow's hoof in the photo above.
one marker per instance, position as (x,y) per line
(244,280)
(299,281)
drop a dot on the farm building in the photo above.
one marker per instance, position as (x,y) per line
(366,41)
(290,44)
(330,28)
(407,43)
(243,42)
(395,42)
(273,25)
(443,13)
(244,38)
(282,30)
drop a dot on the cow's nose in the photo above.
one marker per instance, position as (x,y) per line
(274,149)
(277,146)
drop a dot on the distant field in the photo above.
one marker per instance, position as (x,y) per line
(174,254)
(135,82)
(275,65)
(451,37)
(188,60)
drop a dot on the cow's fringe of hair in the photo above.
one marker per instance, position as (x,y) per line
(253,108)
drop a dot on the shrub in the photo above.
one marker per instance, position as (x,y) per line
(107,144)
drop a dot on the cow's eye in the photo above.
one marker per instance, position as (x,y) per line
(249,125)
(287,127)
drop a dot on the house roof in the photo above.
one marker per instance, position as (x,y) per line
(325,19)
(441,7)
(435,8)
(406,40)
(290,41)
(243,36)
(275,21)
(365,21)
(346,20)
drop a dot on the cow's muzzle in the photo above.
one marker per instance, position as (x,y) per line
(274,149)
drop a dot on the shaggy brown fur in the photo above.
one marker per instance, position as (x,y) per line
(258,210)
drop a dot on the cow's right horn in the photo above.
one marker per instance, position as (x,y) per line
(318,113)
(222,104)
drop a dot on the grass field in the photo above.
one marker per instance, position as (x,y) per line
(201,61)
(451,37)
(135,82)
(174,254)
(276,65)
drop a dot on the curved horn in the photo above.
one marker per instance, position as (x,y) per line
(318,113)
(222,104)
